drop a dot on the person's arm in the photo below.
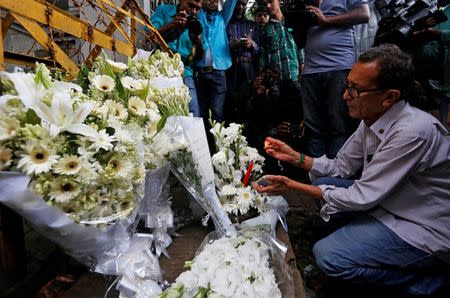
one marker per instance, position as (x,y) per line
(389,168)
(227,10)
(358,15)
(158,20)
(281,183)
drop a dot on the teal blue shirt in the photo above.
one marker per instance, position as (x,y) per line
(182,45)
(215,38)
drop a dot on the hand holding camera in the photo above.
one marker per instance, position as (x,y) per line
(180,20)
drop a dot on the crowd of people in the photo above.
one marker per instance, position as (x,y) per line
(386,177)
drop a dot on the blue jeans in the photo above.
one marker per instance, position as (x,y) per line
(366,252)
(325,112)
(212,92)
(193,104)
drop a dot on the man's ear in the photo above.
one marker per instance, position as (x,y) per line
(392,96)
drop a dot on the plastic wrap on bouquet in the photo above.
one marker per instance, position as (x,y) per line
(193,167)
(139,269)
(277,208)
(250,265)
(95,246)
(156,209)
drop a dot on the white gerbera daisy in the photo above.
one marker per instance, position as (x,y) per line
(102,141)
(5,158)
(68,165)
(119,167)
(37,158)
(104,83)
(244,198)
(8,128)
(116,109)
(131,84)
(63,189)
(137,106)
(117,67)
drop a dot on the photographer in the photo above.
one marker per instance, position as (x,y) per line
(179,26)
(273,109)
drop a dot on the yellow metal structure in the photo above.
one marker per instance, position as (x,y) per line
(31,14)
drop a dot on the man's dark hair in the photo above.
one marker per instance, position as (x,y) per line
(396,69)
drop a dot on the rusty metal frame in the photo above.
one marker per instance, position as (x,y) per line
(31,13)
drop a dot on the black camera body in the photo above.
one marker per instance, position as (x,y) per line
(193,25)
(405,17)
(299,19)
(267,81)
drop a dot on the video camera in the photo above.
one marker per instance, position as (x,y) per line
(298,18)
(407,16)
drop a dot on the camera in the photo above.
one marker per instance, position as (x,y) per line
(194,26)
(267,81)
(299,18)
(405,17)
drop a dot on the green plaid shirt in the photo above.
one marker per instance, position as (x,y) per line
(279,49)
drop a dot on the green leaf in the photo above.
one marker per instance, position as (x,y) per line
(110,130)
(161,123)
(31,117)
(120,90)
(82,78)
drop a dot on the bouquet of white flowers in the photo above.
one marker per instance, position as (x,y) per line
(72,158)
(236,165)
(250,265)
(141,94)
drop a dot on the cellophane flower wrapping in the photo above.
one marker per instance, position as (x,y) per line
(183,142)
(249,265)
(73,174)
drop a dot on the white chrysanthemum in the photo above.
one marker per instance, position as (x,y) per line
(119,167)
(104,83)
(37,159)
(102,141)
(260,203)
(244,198)
(89,171)
(153,115)
(227,190)
(64,189)
(68,165)
(229,206)
(131,84)
(151,105)
(117,67)
(8,128)
(137,106)
(5,158)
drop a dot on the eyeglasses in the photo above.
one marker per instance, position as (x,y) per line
(355,92)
